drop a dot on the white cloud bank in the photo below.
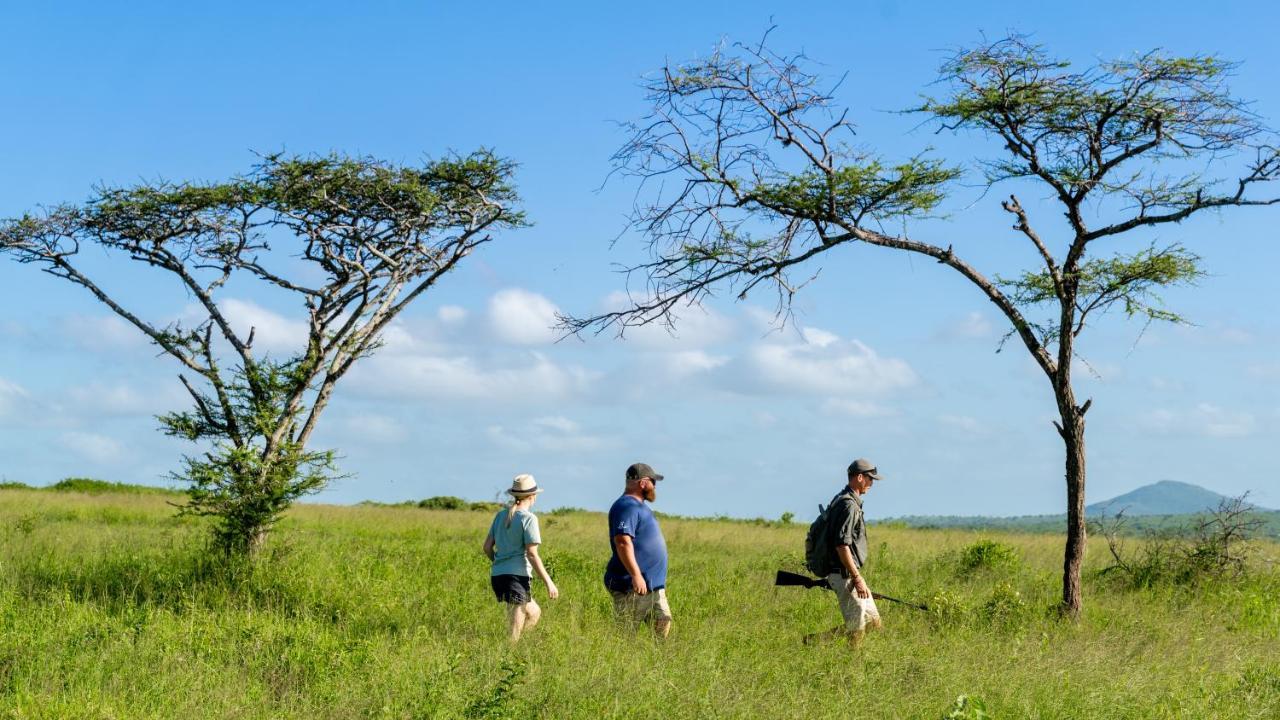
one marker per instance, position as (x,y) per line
(272,331)
(529,376)
(11,395)
(553,433)
(823,364)
(1204,419)
(94,447)
(520,317)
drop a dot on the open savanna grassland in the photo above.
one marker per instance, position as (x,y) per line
(107,610)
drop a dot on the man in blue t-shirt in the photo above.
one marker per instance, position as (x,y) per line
(637,571)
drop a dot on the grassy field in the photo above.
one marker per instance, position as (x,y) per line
(107,611)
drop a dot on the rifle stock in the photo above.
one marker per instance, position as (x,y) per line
(785,578)
(790,579)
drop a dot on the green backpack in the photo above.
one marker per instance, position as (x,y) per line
(819,551)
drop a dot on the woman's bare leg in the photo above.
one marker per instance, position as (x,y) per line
(532,613)
(515,621)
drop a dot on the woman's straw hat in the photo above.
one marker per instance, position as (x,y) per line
(523,486)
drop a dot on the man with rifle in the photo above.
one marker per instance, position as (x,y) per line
(837,548)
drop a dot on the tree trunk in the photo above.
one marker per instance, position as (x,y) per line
(1073,438)
(257,539)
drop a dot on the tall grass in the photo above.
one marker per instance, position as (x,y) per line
(110,608)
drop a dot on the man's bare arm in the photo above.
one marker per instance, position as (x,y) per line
(845,555)
(627,555)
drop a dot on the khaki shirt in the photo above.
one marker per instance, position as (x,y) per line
(847,525)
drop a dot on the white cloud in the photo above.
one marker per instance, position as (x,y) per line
(93,447)
(830,367)
(1204,419)
(692,327)
(684,363)
(854,408)
(557,423)
(819,338)
(1168,385)
(11,394)
(1218,422)
(1098,371)
(1219,334)
(271,331)
(521,317)
(533,377)
(963,423)
(973,326)
(101,333)
(123,399)
(377,429)
(1267,371)
(553,433)
(451,314)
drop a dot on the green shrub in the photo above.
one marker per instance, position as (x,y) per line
(444,502)
(1214,547)
(495,703)
(93,486)
(987,554)
(968,708)
(1005,606)
(13,485)
(945,609)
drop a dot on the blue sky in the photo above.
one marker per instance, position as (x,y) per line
(890,357)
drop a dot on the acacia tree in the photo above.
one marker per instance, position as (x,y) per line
(352,240)
(751,174)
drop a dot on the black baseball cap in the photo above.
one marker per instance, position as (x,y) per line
(640,470)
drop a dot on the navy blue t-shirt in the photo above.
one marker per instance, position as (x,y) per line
(630,516)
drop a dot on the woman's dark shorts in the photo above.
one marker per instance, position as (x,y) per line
(512,589)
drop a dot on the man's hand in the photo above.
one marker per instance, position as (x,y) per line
(858,586)
(553,592)
(638,585)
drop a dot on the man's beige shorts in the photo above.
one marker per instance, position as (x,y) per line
(858,612)
(632,608)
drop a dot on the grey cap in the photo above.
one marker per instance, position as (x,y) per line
(641,470)
(864,466)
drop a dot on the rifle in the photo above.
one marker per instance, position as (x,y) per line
(785,578)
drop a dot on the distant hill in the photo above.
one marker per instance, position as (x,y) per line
(1165,505)
(1167,497)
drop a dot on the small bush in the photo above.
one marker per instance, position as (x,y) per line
(444,502)
(1005,606)
(945,609)
(12,485)
(1215,548)
(93,486)
(987,554)
(968,708)
(496,703)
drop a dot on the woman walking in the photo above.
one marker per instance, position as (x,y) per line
(512,546)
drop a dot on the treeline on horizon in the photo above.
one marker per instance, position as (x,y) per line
(1134,525)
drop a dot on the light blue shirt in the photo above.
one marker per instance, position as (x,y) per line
(510,540)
